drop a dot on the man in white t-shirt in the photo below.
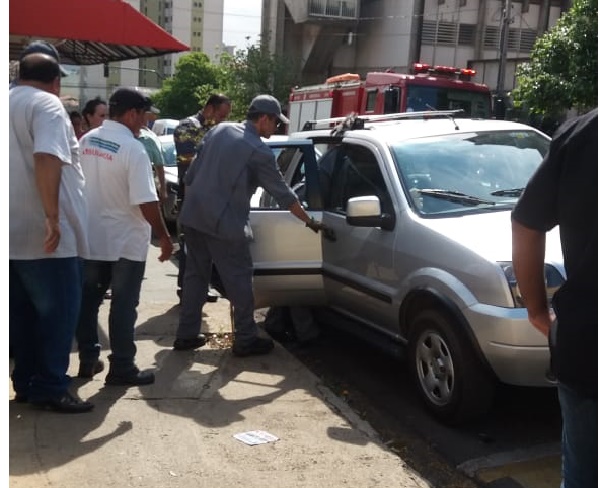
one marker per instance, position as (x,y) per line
(47,237)
(123,210)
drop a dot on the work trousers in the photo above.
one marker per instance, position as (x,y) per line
(234,264)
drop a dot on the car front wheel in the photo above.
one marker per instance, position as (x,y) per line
(449,377)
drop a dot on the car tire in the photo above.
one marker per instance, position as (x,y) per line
(450,379)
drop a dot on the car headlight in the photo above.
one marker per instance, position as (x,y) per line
(552,276)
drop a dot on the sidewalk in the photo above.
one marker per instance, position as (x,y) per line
(179,431)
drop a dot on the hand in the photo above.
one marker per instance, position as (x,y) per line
(315,225)
(166,248)
(52,237)
(162,195)
(542,321)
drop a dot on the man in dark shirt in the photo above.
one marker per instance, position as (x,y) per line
(187,137)
(231,162)
(564,192)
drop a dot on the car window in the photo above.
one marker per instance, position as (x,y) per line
(169,153)
(291,163)
(491,166)
(352,171)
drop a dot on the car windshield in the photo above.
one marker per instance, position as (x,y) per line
(468,172)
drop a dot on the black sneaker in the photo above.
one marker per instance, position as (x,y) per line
(66,403)
(88,370)
(189,344)
(257,347)
(135,378)
(21,398)
(211,297)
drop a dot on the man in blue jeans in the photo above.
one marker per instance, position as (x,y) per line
(47,235)
(564,192)
(123,209)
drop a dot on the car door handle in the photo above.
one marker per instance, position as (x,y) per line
(329,234)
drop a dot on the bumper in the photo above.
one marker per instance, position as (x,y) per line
(516,351)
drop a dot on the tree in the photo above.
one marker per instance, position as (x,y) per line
(186,91)
(241,77)
(254,71)
(563,71)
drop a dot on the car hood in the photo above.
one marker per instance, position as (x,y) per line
(490,235)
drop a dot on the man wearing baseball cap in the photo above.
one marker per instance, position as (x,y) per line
(230,163)
(43,47)
(123,209)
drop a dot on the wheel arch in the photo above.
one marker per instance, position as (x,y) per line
(422,298)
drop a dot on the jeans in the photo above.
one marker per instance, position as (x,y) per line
(234,264)
(44,301)
(579,439)
(125,280)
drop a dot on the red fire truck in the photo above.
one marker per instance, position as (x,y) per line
(426,88)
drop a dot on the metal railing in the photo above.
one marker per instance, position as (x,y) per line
(343,9)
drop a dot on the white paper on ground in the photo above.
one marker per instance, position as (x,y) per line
(254,437)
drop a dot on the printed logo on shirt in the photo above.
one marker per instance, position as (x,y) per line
(101,148)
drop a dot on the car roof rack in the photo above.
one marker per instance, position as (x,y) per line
(355,121)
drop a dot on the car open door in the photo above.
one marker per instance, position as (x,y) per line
(287,255)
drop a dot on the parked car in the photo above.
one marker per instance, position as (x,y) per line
(418,252)
(170,154)
(163,127)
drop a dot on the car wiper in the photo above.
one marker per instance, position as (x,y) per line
(455,196)
(511,192)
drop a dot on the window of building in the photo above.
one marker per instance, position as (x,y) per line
(466,34)
(428,33)
(521,40)
(447,33)
(491,37)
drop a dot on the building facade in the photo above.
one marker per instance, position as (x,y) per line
(330,37)
(196,23)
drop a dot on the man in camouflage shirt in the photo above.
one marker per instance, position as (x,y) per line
(187,137)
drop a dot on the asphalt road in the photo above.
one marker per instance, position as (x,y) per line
(515,445)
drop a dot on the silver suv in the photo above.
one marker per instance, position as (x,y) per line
(418,249)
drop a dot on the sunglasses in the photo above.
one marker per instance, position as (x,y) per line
(277,121)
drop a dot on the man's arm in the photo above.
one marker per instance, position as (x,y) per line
(151,212)
(48,172)
(162,186)
(299,212)
(528,261)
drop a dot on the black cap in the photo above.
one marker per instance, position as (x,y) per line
(43,47)
(128,98)
(266,104)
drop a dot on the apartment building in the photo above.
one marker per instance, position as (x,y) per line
(329,37)
(197,23)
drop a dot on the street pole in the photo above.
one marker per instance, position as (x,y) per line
(506,11)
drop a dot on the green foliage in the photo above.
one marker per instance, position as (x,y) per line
(255,71)
(241,77)
(185,93)
(563,72)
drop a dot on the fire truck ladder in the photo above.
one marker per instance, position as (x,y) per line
(354,121)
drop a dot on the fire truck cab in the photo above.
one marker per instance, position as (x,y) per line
(426,88)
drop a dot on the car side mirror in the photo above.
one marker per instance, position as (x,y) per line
(366,212)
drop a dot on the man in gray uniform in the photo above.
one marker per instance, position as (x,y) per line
(231,162)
